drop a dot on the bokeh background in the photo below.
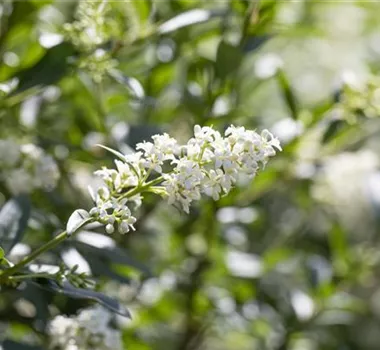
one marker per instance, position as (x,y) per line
(288,262)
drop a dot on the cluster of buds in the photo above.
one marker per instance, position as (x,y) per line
(91,28)
(208,164)
(26,167)
(92,328)
(361,98)
(79,280)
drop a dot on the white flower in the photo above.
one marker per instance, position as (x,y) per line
(110,211)
(205,134)
(9,153)
(183,184)
(90,329)
(19,181)
(167,145)
(95,320)
(128,177)
(26,167)
(46,172)
(163,148)
(31,151)
(127,224)
(208,163)
(212,186)
(342,183)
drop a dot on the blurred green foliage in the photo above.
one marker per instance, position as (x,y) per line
(288,262)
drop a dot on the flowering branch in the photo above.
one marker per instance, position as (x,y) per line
(32,256)
(208,164)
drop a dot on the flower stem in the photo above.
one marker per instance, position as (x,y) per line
(142,188)
(49,245)
(31,275)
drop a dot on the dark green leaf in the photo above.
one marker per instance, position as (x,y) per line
(228,59)
(48,70)
(79,218)
(13,345)
(252,43)
(13,221)
(288,94)
(79,293)
(101,268)
(333,130)
(110,253)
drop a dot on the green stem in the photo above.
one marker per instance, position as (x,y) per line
(147,175)
(5,274)
(140,189)
(49,245)
(31,275)
(248,19)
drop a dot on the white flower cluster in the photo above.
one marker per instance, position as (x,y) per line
(90,329)
(212,163)
(26,167)
(344,184)
(208,164)
(90,28)
(94,26)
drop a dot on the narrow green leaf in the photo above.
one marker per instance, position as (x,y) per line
(79,293)
(188,18)
(133,85)
(334,128)
(228,59)
(13,345)
(288,94)
(116,153)
(13,221)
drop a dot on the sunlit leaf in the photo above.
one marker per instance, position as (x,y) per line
(14,217)
(132,84)
(185,19)
(78,218)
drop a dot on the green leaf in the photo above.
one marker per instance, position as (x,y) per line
(144,9)
(101,268)
(188,18)
(334,128)
(13,221)
(13,345)
(339,249)
(79,293)
(133,85)
(79,218)
(86,243)
(51,68)
(228,59)
(116,153)
(254,42)
(2,254)
(288,94)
